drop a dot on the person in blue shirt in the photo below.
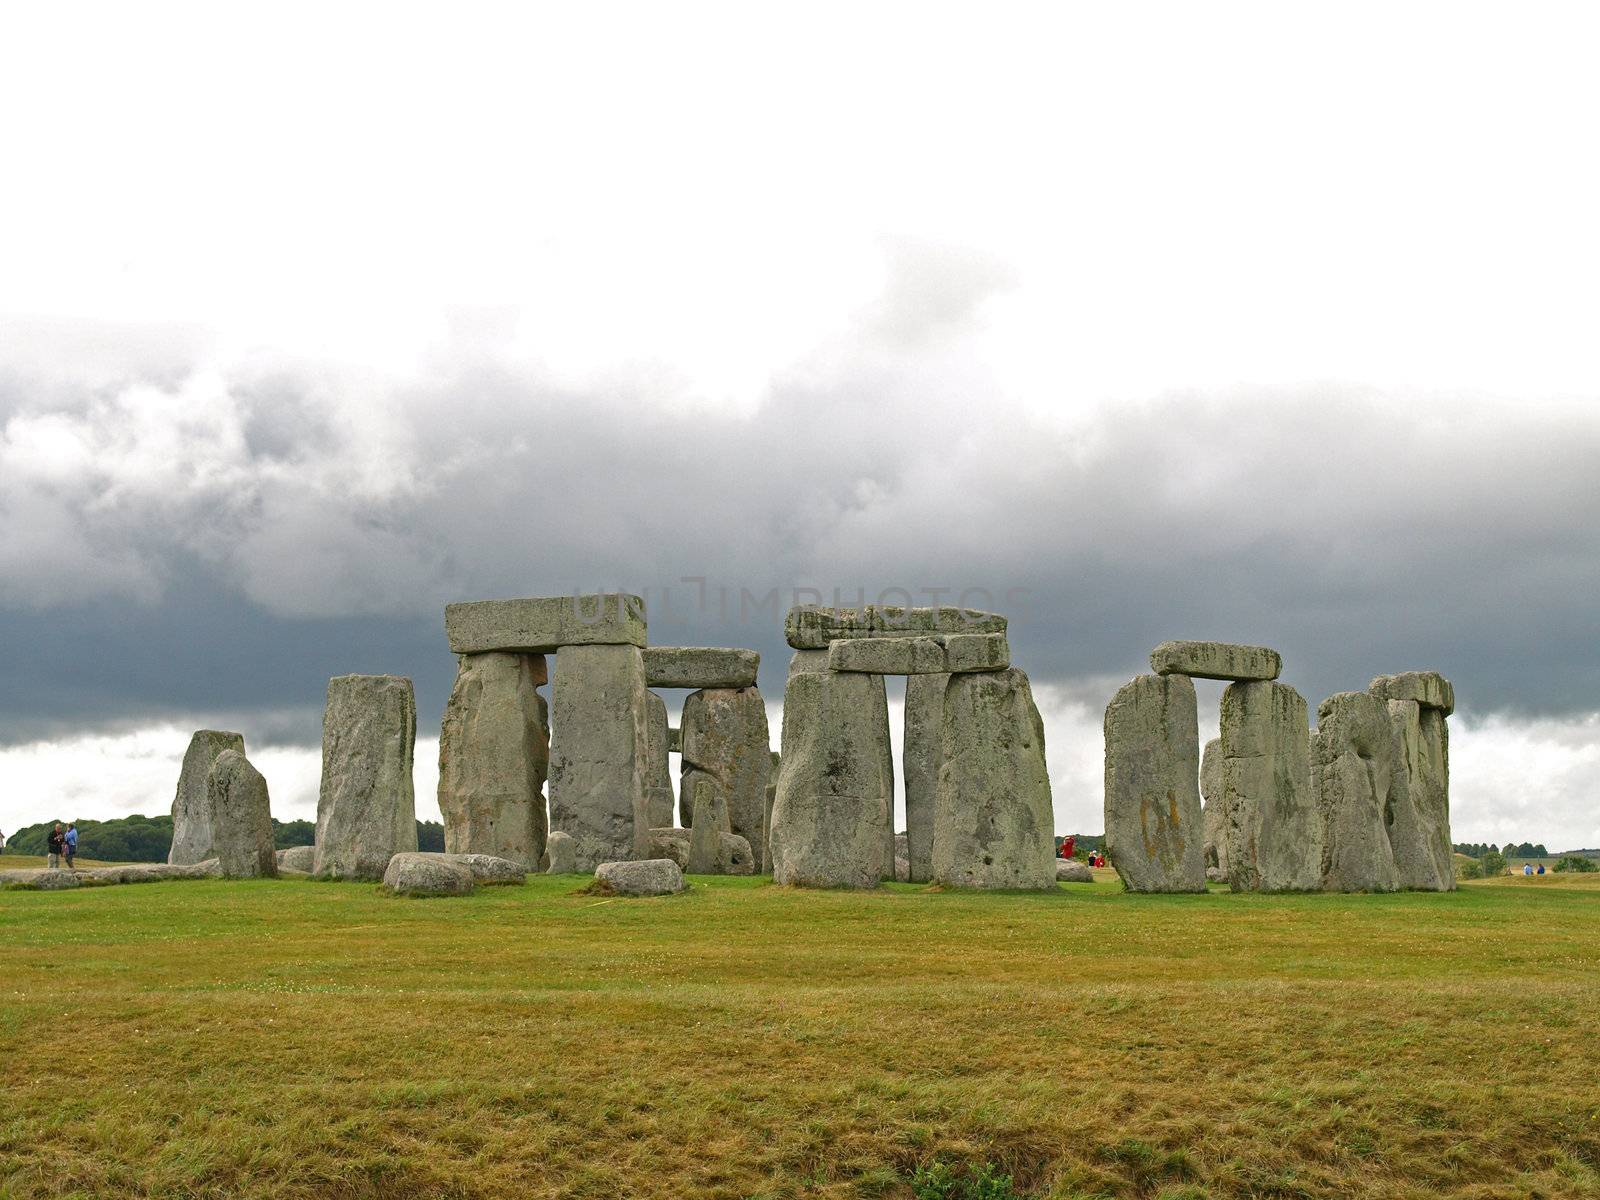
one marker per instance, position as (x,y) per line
(1527,868)
(1540,871)
(71,841)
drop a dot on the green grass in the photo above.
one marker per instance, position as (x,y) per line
(298,1039)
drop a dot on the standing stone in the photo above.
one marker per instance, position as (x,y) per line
(599,745)
(1419,797)
(766,820)
(1155,837)
(494,753)
(1274,827)
(920,765)
(1214,815)
(367,812)
(993,826)
(710,822)
(657,767)
(1352,769)
(191,807)
(559,857)
(831,814)
(241,818)
(725,739)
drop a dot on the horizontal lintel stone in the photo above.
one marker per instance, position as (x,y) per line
(1428,688)
(700,667)
(957,654)
(544,624)
(810,628)
(1216,660)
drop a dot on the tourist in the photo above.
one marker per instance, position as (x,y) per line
(71,843)
(1527,868)
(54,845)
(1069,847)
(1540,871)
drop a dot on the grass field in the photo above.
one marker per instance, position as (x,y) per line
(297,1039)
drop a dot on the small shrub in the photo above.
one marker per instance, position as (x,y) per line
(1493,863)
(1575,862)
(1471,869)
(941,1181)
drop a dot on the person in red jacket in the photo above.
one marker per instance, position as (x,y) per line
(1069,847)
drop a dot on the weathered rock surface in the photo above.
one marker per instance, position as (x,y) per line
(647,877)
(809,628)
(191,807)
(1155,836)
(766,819)
(698,667)
(241,818)
(831,813)
(40,879)
(930,655)
(808,661)
(1352,768)
(732,856)
(919,758)
(1274,826)
(154,872)
(1214,815)
(1428,688)
(297,858)
(598,752)
(367,812)
(494,754)
(414,874)
(710,808)
(489,870)
(726,740)
(1070,870)
(1216,660)
(658,798)
(560,855)
(993,826)
(545,624)
(1419,797)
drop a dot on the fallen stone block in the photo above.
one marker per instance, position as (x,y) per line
(1070,870)
(297,858)
(1216,660)
(40,879)
(733,855)
(414,874)
(1428,688)
(645,877)
(490,871)
(544,624)
(191,807)
(809,628)
(696,667)
(1154,833)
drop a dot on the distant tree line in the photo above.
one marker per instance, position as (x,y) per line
(1509,850)
(147,839)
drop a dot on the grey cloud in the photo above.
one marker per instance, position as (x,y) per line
(302,520)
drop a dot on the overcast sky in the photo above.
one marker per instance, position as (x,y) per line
(1244,322)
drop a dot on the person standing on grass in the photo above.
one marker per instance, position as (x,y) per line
(71,843)
(54,845)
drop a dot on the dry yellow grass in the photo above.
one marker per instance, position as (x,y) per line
(295,1039)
